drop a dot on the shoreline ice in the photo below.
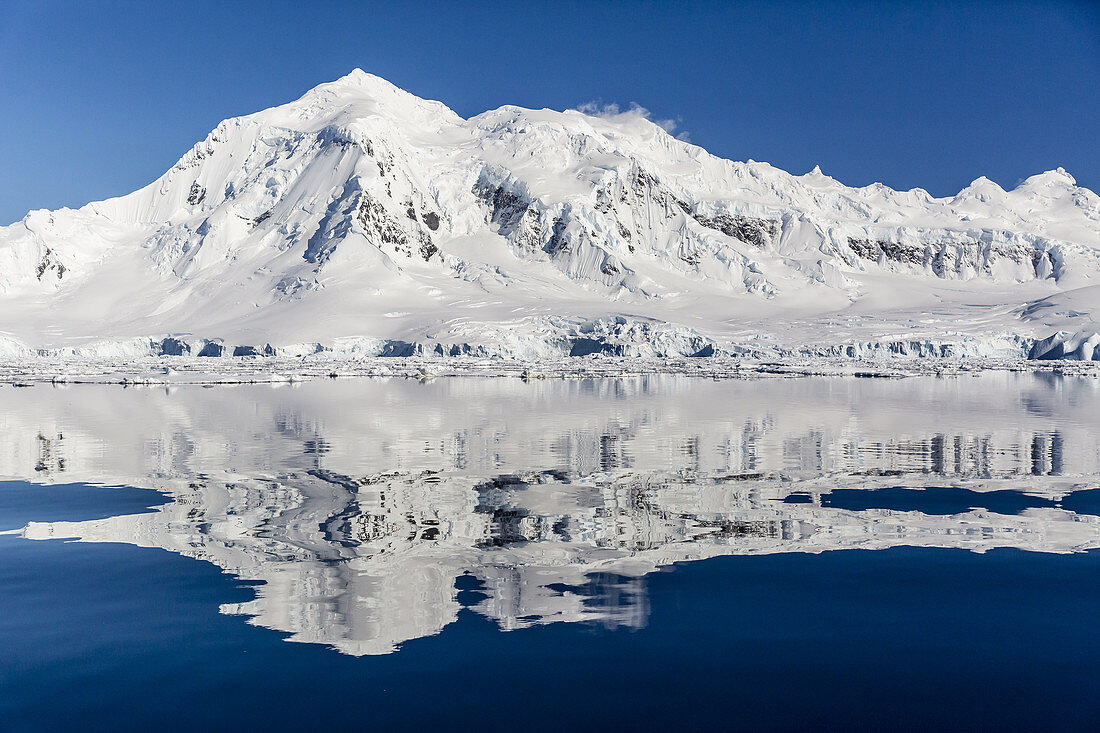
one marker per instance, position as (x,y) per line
(182,370)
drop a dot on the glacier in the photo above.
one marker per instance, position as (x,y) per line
(362,221)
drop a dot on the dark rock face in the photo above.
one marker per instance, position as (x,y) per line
(947,259)
(870,249)
(865,248)
(516,217)
(375,219)
(197,194)
(387,232)
(758,232)
(262,218)
(427,249)
(645,187)
(505,208)
(559,239)
(50,263)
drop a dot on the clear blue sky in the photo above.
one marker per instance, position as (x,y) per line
(98,98)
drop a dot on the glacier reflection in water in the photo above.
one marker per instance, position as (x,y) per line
(363,507)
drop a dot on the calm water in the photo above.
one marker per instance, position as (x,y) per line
(803,553)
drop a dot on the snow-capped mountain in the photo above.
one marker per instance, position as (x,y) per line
(362,219)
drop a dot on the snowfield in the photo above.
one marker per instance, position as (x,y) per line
(361,221)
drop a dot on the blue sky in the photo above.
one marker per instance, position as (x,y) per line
(98,99)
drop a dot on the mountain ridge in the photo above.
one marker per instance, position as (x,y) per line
(360,218)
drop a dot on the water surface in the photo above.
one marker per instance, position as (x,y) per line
(767,553)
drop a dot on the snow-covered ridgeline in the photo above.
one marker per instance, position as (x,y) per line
(362,219)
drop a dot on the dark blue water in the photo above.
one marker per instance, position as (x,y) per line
(103,637)
(616,555)
(22,502)
(952,500)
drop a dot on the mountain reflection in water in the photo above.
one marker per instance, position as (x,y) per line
(371,512)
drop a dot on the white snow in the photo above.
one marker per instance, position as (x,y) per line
(361,220)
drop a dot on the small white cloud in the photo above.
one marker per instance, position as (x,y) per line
(612,110)
(599,109)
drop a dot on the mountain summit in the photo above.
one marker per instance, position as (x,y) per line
(363,219)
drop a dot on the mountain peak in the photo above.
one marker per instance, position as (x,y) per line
(982,185)
(1058,176)
(359,95)
(359,83)
(359,78)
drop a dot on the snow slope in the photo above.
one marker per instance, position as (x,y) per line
(361,219)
